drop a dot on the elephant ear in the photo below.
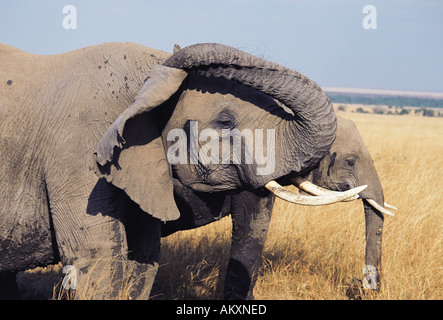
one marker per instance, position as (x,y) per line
(131,154)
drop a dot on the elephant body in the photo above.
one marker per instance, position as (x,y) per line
(54,110)
(85,144)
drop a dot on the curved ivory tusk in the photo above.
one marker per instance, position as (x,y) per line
(387,205)
(373,203)
(315,190)
(293,197)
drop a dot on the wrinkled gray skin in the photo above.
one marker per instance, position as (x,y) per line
(347,165)
(53,111)
(118,102)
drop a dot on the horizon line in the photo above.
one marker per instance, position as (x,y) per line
(385,92)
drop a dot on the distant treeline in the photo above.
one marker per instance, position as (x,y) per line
(387,101)
(396,111)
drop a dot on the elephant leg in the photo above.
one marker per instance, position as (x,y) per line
(143,234)
(8,286)
(96,249)
(91,238)
(251,216)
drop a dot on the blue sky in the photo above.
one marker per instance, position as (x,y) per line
(324,40)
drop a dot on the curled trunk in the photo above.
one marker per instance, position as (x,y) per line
(314,119)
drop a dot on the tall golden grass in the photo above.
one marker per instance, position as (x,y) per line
(113,280)
(314,253)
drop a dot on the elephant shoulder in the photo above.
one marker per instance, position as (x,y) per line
(135,49)
(120,52)
(136,57)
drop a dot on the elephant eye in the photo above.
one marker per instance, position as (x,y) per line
(225,120)
(350,162)
(226,124)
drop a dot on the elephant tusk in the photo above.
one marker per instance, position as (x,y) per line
(315,190)
(293,197)
(387,205)
(373,203)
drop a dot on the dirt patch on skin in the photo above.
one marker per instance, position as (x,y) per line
(39,283)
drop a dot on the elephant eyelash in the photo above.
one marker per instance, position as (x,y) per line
(226,124)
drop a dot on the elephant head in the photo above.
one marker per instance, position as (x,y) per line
(212,86)
(349,164)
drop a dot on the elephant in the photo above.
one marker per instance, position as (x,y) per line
(212,87)
(347,164)
(89,142)
(53,111)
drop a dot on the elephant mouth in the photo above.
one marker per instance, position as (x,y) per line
(321,196)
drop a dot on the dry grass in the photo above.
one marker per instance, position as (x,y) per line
(314,253)
(105,284)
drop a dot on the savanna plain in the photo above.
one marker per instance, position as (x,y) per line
(318,252)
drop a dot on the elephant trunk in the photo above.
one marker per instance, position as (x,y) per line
(314,120)
(374,232)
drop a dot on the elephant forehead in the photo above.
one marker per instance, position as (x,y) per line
(348,139)
(205,105)
(204,98)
